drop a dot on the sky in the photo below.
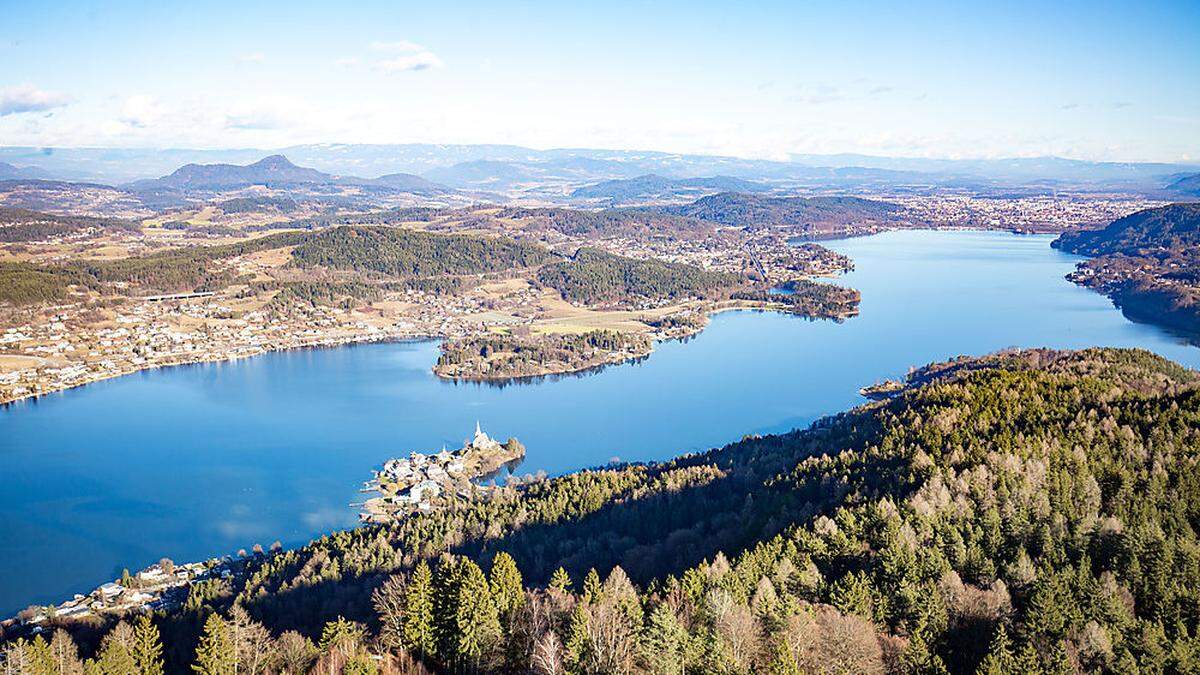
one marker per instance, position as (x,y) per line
(1088,80)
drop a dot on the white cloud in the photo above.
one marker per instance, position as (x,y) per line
(348,62)
(27,98)
(425,60)
(410,56)
(141,111)
(252,57)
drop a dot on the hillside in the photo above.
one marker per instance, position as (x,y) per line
(274,170)
(594,277)
(1030,512)
(19,225)
(10,172)
(407,253)
(1148,263)
(1172,226)
(1186,185)
(737,209)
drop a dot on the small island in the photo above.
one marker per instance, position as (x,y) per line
(424,482)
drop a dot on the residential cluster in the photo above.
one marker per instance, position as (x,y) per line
(415,483)
(161,586)
(1022,214)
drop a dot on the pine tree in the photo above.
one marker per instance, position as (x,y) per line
(216,654)
(577,636)
(508,590)
(783,662)
(476,621)
(591,587)
(116,656)
(560,581)
(446,584)
(418,611)
(147,647)
(39,660)
(999,660)
(1027,661)
(918,658)
(664,643)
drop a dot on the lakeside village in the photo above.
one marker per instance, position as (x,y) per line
(417,483)
(422,482)
(162,586)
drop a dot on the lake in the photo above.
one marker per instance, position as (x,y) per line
(199,461)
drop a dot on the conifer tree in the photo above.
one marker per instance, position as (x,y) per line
(216,653)
(560,580)
(476,620)
(147,647)
(999,660)
(39,658)
(116,655)
(664,643)
(418,611)
(591,587)
(508,590)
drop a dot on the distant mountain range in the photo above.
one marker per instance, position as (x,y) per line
(275,171)
(10,172)
(1185,185)
(506,167)
(653,186)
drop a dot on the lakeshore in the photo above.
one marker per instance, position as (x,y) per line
(102,477)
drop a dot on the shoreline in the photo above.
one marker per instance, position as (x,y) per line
(324,343)
(369,338)
(718,308)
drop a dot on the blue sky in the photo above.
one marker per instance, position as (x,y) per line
(1092,80)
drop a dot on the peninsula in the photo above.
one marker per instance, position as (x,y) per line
(425,482)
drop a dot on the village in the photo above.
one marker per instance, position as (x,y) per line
(422,482)
(163,586)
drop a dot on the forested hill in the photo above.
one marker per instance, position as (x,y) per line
(740,209)
(1174,226)
(594,276)
(409,253)
(1033,512)
(20,225)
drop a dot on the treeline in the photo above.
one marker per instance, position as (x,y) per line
(28,284)
(256,204)
(633,222)
(393,216)
(749,210)
(409,253)
(808,298)
(182,269)
(418,260)
(595,277)
(24,225)
(320,293)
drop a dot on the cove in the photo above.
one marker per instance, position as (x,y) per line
(198,461)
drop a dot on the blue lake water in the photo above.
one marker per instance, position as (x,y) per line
(198,461)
